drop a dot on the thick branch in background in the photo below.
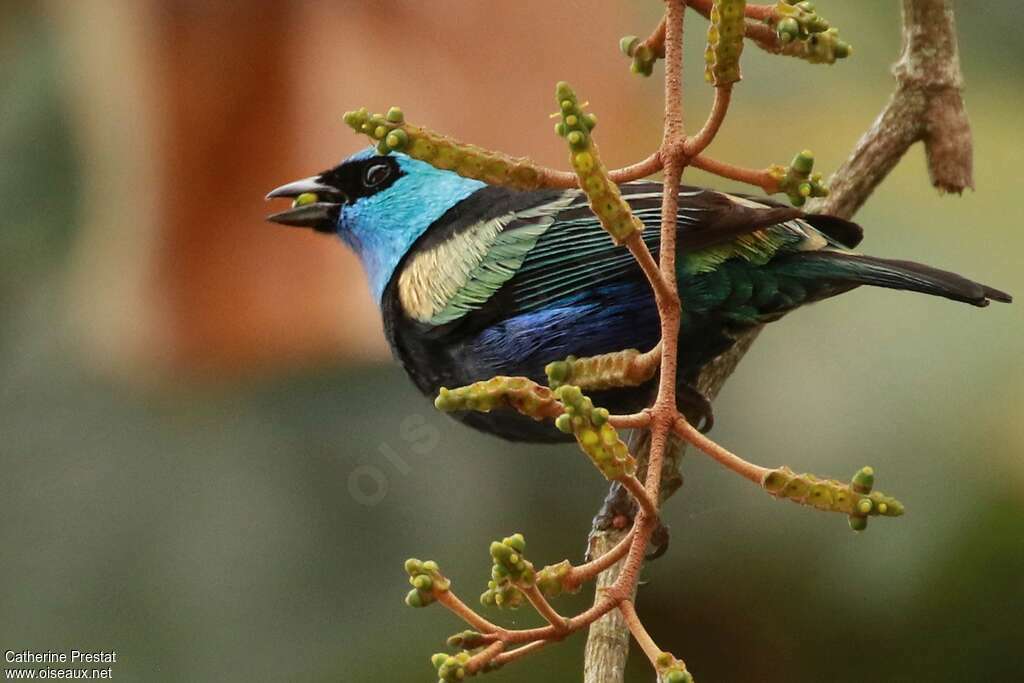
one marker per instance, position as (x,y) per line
(925,106)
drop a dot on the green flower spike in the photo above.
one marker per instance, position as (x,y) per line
(671,670)
(426,580)
(605,199)
(797,181)
(593,433)
(855,499)
(643,56)
(805,34)
(725,42)
(606,371)
(391,133)
(519,393)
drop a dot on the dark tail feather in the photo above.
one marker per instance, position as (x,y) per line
(906,275)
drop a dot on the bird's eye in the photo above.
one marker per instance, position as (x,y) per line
(376,174)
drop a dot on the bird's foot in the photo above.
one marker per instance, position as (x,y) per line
(618,512)
(696,403)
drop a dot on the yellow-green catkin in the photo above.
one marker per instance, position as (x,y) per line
(519,393)
(725,42)
(391,133)
(593,433)
(605,199)
(855,499)
(426,580)
(605,371)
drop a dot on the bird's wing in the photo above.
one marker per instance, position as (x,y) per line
(540,247)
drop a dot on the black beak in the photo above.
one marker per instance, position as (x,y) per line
(321,213)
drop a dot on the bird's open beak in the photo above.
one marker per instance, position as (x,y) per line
(316,205)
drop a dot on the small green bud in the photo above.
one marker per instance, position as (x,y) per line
(305,198)
(564,423)
(864,480)
(627,44)
(803,162)
(414,599)
(397,139)
(413,566)
(858,523)
(517,542)
(438,660)
(395,115)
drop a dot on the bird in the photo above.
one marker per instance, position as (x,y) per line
(476,280)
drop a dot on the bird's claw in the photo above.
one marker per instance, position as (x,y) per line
(696,403)
(618,512)
(659,541)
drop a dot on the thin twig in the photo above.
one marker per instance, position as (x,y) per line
(636,627)
(481,659)
(466,613)
(643,499)
(512,655)
(553,178)
(586,572)
(756,177)
(723,456)
(699,142)
(544,608)
(631,421)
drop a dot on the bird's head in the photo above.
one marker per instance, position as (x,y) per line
(379,205)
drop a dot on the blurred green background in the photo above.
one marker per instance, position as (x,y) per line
(236,506)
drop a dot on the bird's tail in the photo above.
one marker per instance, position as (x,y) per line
(907,275)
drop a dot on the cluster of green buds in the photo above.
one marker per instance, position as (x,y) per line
(605,199)
(605,371)
(510,571)
(426,580)
(798,181)
(671,670)
(855,499)
(552,580)
(805,34)
(594,433)
(643,56)
(725,42)
(519,393)
(451,668)
(391,133)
